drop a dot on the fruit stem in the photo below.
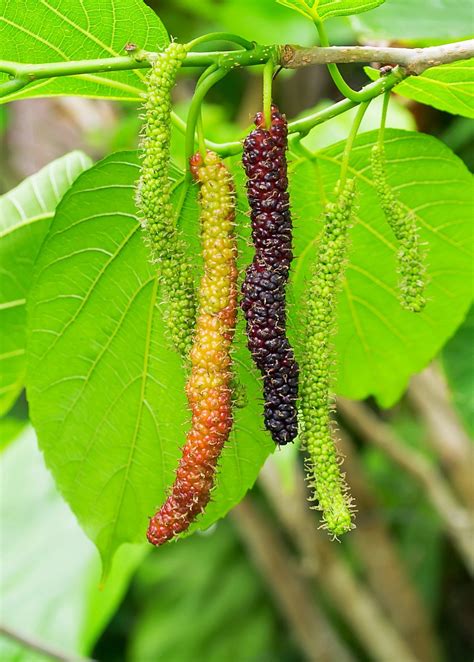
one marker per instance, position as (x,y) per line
(333,69)
(209,78)
(383,121)
(221,36)
(200,137)
(350,142)
(267,92)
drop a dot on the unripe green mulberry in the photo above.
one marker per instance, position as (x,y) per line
(209,385)
(323,465)
(156,212)
(403,224)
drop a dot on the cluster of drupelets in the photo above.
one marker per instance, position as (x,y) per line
(324,475)
(205,340)
(208,388)
(154,202)
(403,224)
(264,287)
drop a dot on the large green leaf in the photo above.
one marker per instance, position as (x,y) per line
(50,571)
(25,217)
(417,20)
(449,87)
(38,31)
(106,392)
(105,389)
(379,345)
(324,135)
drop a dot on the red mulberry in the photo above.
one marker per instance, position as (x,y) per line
(264,286)
(208,388)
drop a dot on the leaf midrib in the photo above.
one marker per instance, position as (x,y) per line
(142,398)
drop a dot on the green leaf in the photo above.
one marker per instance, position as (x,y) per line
(25,217)
(49,566)
(449,88)
(457,360)
(40,31)
(413,20)
(106,390)
(332,8)
(107,393)
(324,9)
(301,6)
(379,345)
(328,133)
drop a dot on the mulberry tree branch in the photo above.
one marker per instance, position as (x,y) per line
(407,61)
(414,60)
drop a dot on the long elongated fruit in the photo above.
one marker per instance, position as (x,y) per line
(264,287)
(208,388)
(323,464)
(410,258)
(154,202)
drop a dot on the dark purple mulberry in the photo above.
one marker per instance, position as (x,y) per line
(264,286)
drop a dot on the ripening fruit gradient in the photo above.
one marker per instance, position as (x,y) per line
(209,385)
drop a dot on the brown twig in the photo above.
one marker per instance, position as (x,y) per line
(352,600)
(414,60)
(309,625)
(38,646)
(456,520)
(428,393)
(385,573)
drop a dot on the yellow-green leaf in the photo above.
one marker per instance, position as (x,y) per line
(41,31)
(25,217)
(449,87)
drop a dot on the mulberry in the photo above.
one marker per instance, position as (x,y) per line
(403,224)
(209,385)
(154,202)
(263,290)
(330,489)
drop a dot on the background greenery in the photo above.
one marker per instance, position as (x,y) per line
(208,597)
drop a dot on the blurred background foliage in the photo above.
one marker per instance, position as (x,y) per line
(264,585)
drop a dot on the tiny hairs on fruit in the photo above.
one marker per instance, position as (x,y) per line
(154,204)
(323,463)
(264,287)
(209,386)
(411,265)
